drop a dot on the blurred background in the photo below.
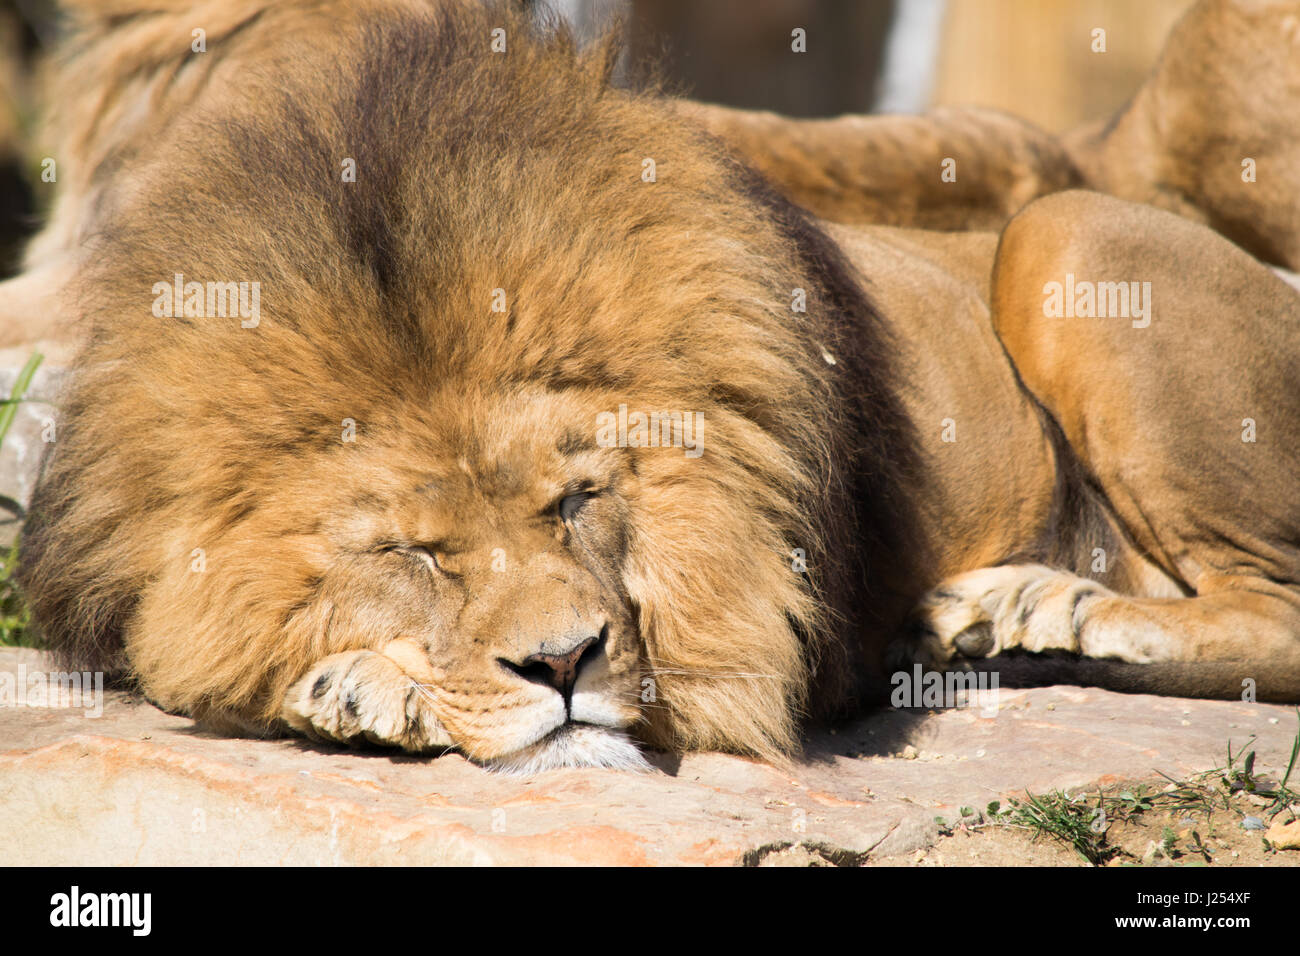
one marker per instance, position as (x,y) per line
(1034,58)
(19,46)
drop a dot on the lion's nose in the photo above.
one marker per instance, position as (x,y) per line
(558,670)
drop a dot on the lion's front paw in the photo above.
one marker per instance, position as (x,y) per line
(985,612)
(363,695)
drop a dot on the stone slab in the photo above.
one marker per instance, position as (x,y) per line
(134,785)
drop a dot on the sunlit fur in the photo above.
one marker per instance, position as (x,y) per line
(574,746)
(475,171)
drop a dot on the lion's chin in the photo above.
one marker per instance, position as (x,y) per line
(574,745)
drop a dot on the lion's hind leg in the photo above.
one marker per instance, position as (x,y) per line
(1244,634)
(377,696)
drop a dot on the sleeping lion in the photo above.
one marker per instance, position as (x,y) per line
(435,392)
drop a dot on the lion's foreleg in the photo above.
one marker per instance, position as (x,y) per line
(1249,629)
(379,696)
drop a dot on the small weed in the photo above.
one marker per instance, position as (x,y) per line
(1081,822)
(1057,815)
(15,618)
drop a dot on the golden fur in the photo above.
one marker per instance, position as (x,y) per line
(384,511)
(488,172)
(1226,90)
(889,170)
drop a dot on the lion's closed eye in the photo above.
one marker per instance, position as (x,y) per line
(425,554)
(570,505)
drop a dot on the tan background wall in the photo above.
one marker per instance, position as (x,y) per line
(1034,57)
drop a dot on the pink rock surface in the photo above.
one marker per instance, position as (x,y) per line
(137,786)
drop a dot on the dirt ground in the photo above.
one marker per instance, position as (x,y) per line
(1153,823)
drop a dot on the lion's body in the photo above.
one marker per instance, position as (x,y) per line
(387,503)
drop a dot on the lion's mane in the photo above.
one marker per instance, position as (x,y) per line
(475,171)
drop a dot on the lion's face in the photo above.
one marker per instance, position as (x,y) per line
(495,538)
